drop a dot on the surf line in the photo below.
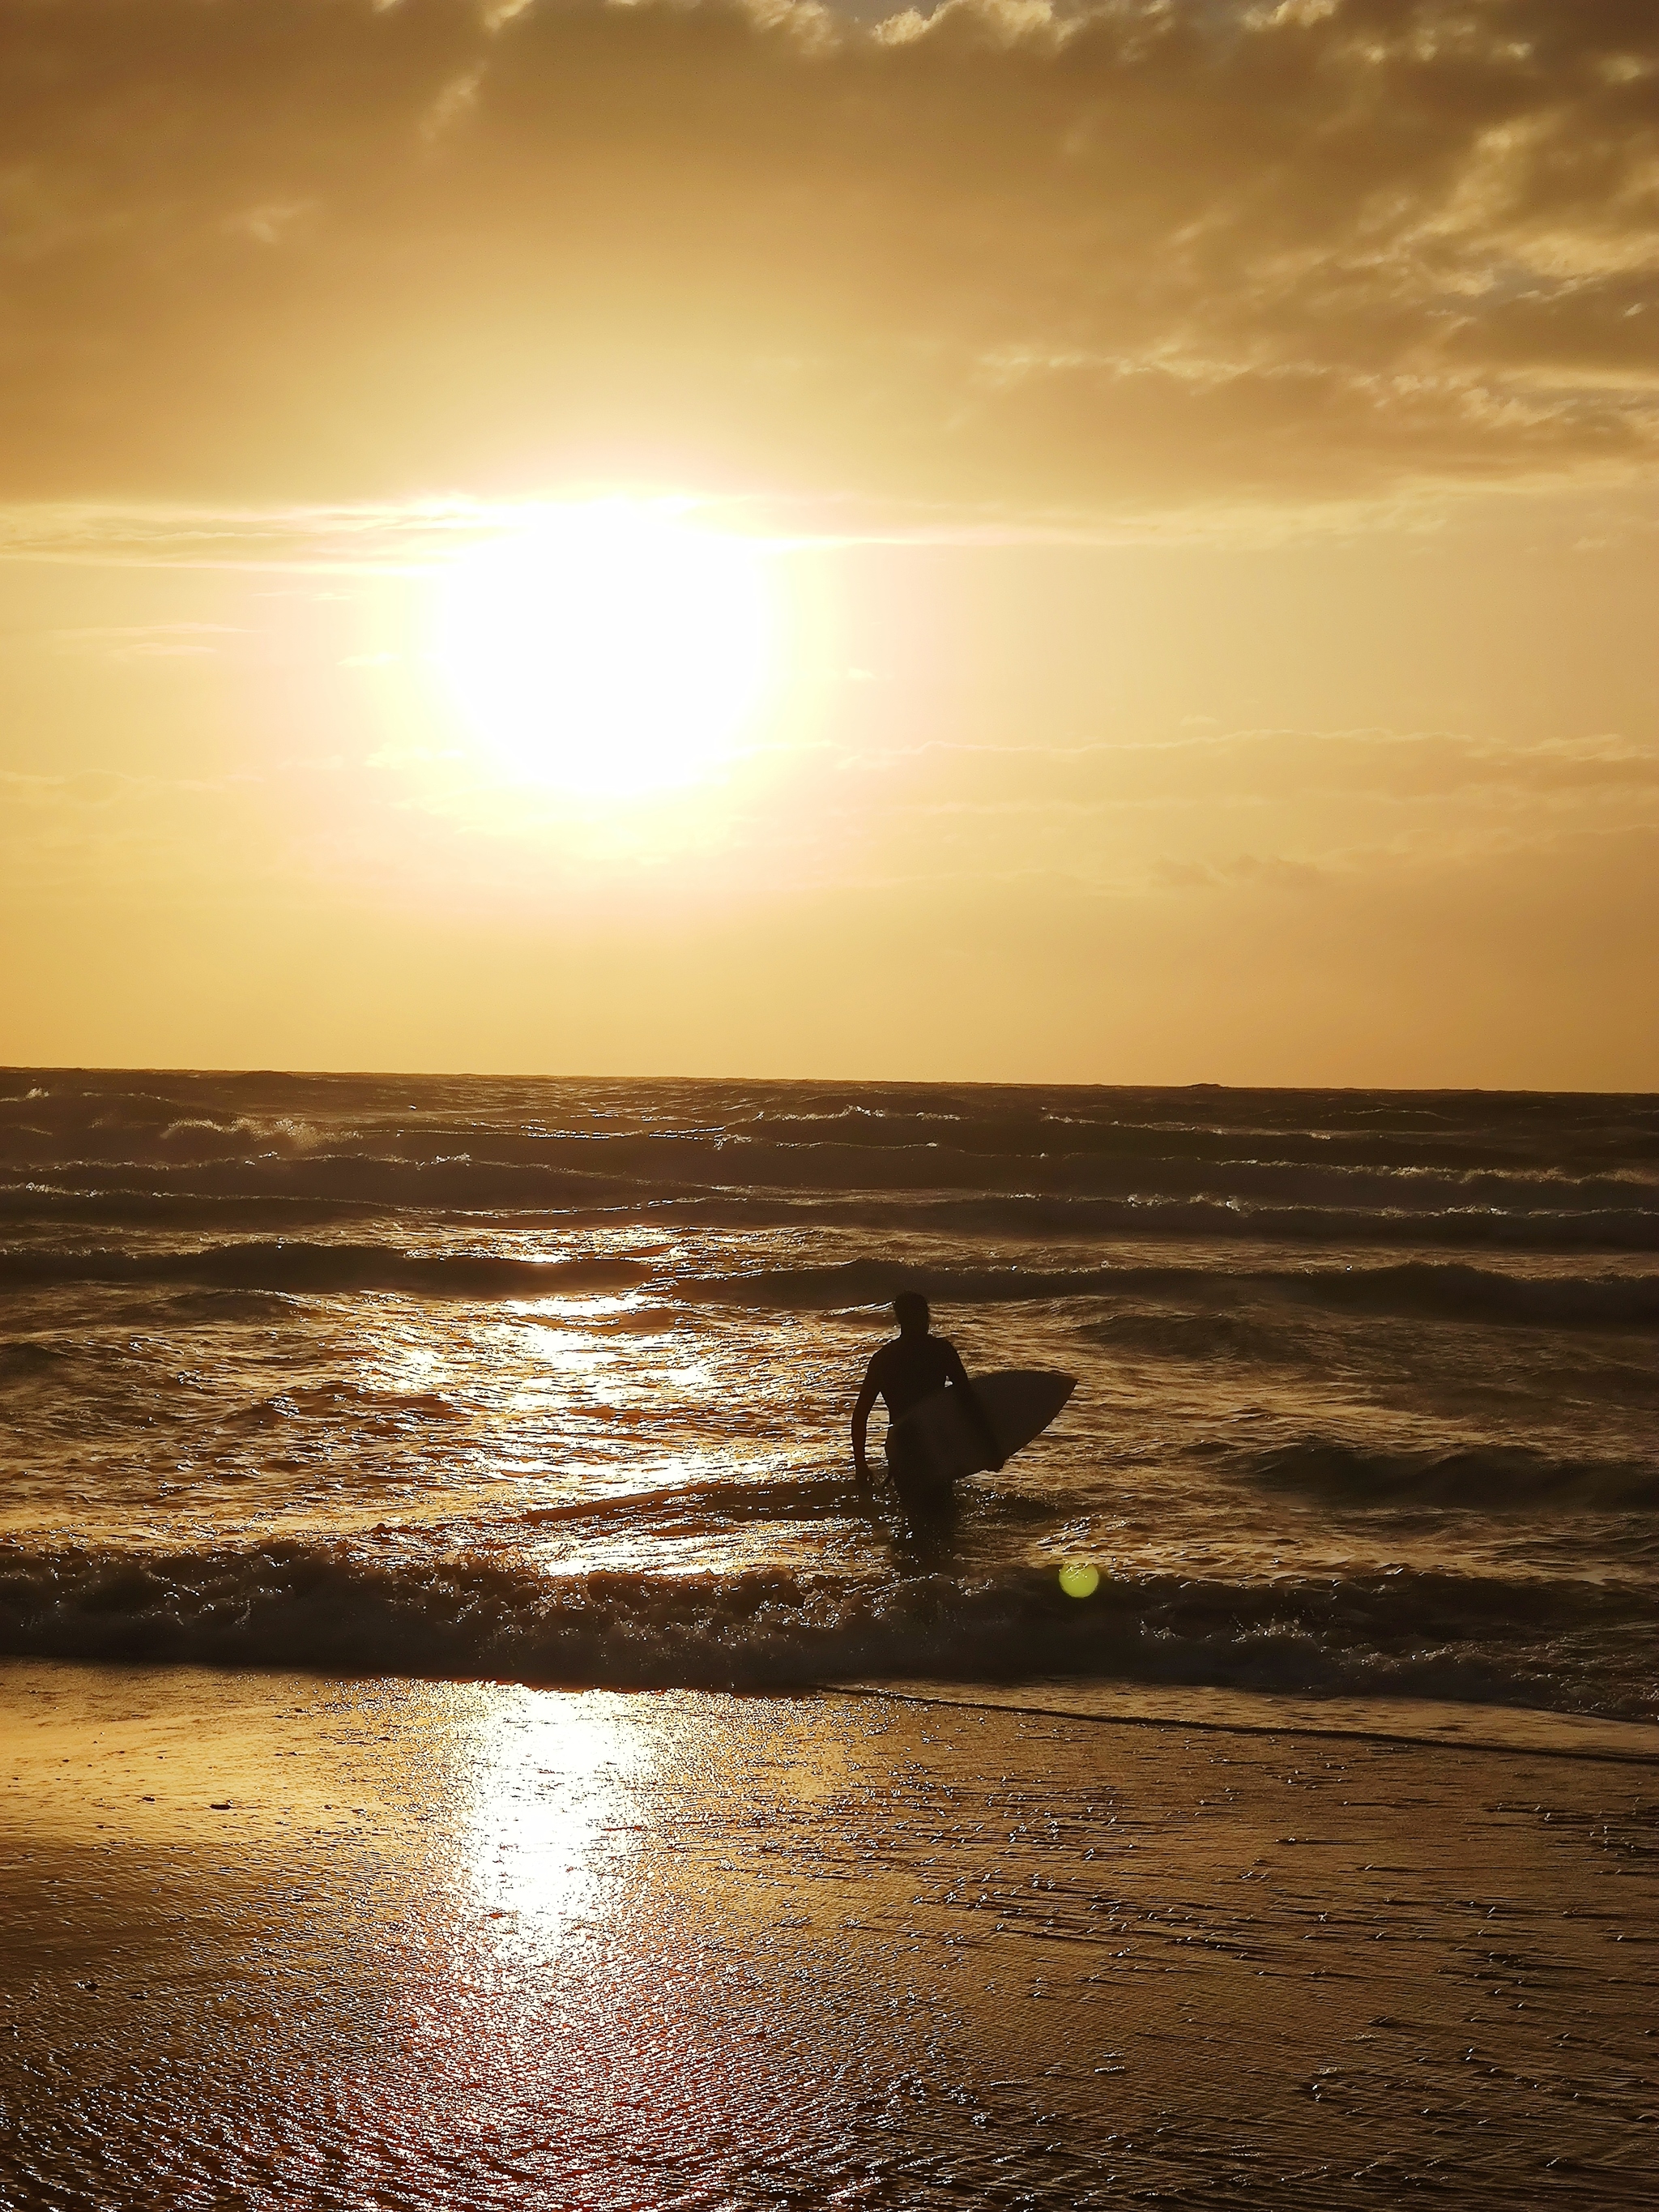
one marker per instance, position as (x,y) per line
(1234,1728)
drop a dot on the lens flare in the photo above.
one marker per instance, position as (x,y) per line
(1079,1579)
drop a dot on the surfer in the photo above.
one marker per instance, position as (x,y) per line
(902,1373)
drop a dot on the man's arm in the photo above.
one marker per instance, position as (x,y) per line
(865,1399)
(975,1405)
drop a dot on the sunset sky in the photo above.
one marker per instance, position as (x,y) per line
(1112,543)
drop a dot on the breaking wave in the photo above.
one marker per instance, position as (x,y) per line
(296,1604)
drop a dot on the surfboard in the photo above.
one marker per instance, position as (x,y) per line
(938,1442)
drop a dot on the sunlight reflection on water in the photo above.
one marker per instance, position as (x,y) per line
(539,1838)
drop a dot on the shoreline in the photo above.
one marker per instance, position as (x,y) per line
(1517,1730)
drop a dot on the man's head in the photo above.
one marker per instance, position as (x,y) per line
(910,1312)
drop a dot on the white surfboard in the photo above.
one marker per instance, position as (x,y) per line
(938,1442)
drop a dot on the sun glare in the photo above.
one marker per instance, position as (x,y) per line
(611,649)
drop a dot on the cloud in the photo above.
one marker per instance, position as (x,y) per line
(1247,869)
(166,641)
(1251,813)
(97,832)
(1134,256)
(340,538)
(1209,770)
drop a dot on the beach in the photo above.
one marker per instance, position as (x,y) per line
(468,1744)
(282,1938)
(828,1164)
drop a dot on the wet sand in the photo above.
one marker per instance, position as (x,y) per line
(271,1940)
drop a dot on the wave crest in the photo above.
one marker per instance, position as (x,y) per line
(1488,1479)
(334,1607)
(1451,1291)
(296,1266)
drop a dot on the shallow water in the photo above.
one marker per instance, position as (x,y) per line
(551,1380)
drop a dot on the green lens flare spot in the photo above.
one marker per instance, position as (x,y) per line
(1079,1579)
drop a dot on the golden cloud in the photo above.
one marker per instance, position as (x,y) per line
(1136,254)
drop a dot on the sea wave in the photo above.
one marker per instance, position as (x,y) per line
(380,1182)
(255,1198)
(1448,1291)
(334,1607)
(733,1132)
(1487,1478)
(300,1266)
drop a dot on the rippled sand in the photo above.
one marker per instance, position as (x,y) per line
(274,1940)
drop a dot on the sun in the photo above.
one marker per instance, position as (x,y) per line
(611,649)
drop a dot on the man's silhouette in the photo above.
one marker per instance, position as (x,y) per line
(902,1373)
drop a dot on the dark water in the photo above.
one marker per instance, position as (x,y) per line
(372,1373)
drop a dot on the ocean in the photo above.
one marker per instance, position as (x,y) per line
(549,1381)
